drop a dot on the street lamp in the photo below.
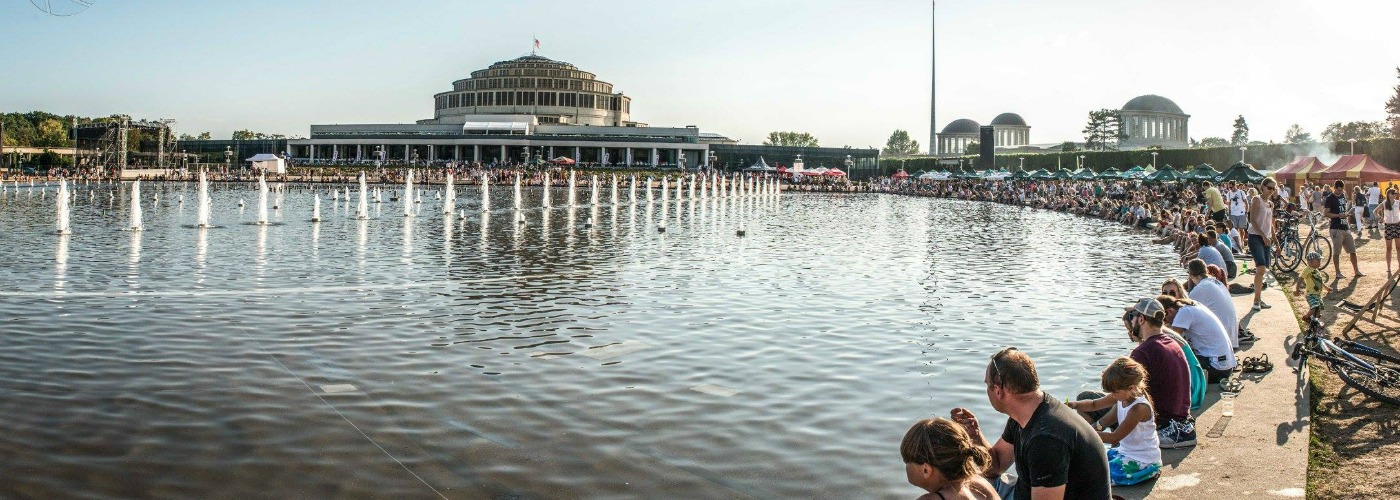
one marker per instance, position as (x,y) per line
(848,164)
(1154,160)
(680,161)
(711,165)
(1242,150)
(1353,145)
(1081,162)
(1023,164)
(228,157)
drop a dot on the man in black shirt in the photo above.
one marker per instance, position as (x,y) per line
(1336,209)
(1057,454)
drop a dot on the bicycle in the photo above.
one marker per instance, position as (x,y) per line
(1378,377)
(1287,250)
(1317,242)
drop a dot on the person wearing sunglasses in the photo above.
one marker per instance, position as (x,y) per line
(1261,236)
(1055,451)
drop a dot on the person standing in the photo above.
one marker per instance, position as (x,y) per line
(1390,217)
(1056,453)
(1239,202)
(1336,209)
(1261,237)
(1373,199)
(1215,203)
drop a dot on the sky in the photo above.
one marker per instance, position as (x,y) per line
(847,71)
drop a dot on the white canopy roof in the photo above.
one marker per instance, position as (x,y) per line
(264,157)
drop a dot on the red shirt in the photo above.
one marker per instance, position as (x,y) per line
(1168,378)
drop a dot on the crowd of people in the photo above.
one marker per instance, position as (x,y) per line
(1186,337)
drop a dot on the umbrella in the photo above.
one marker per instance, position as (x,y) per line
(901,174)
(1240,172)
(562,160)
(1061,175)
(1111,173)
(1020,174)
(1203,172)
(1166,174)
(1084,174)
(835,172)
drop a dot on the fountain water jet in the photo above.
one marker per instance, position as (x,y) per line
(136,207)
(485,193)
(362,211)
(519,202)
(614,190)
(63,214)
(408,194)
(450,204)
(593,196)
(572,182)
(262,199)
(316,208)
(203,219)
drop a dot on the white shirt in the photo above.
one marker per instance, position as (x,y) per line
(1373,196)
(1206,335)
(1237,200)
(1211,293)
(1389,216)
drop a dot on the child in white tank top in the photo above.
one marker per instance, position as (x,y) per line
(1136,455)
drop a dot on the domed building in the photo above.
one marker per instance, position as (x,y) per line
(1153,120)
(1011,130)
(554,92)
(957,135)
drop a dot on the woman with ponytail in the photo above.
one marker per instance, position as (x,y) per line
(940,457)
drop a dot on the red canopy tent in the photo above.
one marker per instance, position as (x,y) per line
(1360,168)
(1298,169)
(835,172)
(901,174)
(562,160)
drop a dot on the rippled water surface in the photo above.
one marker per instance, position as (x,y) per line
(428,356)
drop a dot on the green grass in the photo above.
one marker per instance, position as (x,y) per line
(1322,458)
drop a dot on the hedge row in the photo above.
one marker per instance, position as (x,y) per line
(1262,157)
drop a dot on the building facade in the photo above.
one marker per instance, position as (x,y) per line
(1153,120)
(1010,130)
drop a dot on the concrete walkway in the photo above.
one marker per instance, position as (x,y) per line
(1262,451)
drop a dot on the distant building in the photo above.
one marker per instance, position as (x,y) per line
(554,92)
(1153,120)
(1010,131)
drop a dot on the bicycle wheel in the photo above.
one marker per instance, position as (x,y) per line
(1321,246)
(1383,385)
(1287,254)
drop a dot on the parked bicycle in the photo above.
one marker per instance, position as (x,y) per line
(1289,248)
(1363,367)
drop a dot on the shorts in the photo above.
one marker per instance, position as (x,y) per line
(1392,231)
(1239,221)
(1126,471)
(1314,301)
(1218,215)
(1259,251)
(1342,239)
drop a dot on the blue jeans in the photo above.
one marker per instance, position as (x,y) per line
(1005,486)
(1259,251)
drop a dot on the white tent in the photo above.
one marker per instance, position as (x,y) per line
(269,163)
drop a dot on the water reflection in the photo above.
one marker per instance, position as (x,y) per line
(60,263)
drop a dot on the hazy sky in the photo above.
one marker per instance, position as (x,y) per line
(847,71)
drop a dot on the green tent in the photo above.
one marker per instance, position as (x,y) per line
(1084,174)
(1063,175)
(1136,172)
(1203,172)
(1166,174)
(1240,172)
(1111,173)
(1040,174)
(1020,174)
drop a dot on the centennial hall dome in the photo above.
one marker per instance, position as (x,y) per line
(1009,119)
(1153,104)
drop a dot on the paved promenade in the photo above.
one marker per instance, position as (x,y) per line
(1260,452)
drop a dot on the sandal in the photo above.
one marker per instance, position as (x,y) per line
(1259,364)
(1231,385)
(1247,337)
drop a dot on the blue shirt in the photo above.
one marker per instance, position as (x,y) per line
(1211,256)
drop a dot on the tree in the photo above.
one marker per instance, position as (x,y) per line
(1214,142)
(1241,135)
(1104,130)
(973,148)
(1392,109)
(1359,130)
(799,139)
(51,134)
(1069,146)
(900,144)
(1296,135)
(203,136)
(248,135)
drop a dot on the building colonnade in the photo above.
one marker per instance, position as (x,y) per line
(369,151)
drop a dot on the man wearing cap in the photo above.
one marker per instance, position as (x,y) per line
(1168,374)
(1210,292)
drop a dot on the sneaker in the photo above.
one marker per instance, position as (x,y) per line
(1262,305)
(1177,434)
(1256,307)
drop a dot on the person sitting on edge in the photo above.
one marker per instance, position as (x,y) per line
(1136,455)
(1205,333)
(1178,384)
(1313,279)
(939,457)
(1206,250)
(1056,454)
(1211,293)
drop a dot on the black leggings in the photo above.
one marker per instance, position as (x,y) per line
(1212,375)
